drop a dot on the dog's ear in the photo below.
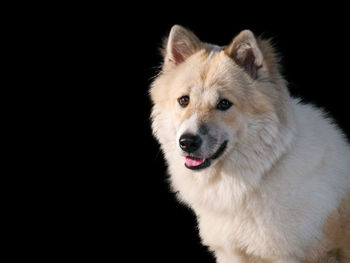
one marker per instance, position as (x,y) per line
(180,44)
(244,50)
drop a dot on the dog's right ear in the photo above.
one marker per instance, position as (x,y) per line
(180,44)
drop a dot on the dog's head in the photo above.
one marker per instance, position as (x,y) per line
(209,100)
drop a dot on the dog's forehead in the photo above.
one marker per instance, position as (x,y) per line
(206,72)
(214,50)
(203,67)
(203,95)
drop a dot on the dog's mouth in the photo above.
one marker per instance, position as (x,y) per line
(198,163)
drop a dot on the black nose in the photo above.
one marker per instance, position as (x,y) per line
(189,142)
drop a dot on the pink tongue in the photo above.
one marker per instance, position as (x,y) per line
(193,161)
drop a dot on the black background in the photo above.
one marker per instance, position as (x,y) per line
(122,203)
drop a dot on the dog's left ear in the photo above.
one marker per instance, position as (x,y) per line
(246,53)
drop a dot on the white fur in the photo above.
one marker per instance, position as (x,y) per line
(188,126)
(287,209)
(268,197)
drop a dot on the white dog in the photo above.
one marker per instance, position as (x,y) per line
(267,176)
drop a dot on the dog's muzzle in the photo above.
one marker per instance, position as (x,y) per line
(191,143)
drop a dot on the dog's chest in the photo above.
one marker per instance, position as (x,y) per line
(241,231)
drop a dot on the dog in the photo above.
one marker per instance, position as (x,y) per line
(267,175)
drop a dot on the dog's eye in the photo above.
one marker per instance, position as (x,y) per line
(223,105)
(184,101)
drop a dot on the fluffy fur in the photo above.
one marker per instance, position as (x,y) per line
(280,192)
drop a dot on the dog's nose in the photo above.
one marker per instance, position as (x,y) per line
(189,142)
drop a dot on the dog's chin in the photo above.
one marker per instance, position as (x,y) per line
(199,163)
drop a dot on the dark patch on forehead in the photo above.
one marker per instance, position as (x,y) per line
(210,56)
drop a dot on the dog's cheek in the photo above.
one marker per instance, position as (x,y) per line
(232,125)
